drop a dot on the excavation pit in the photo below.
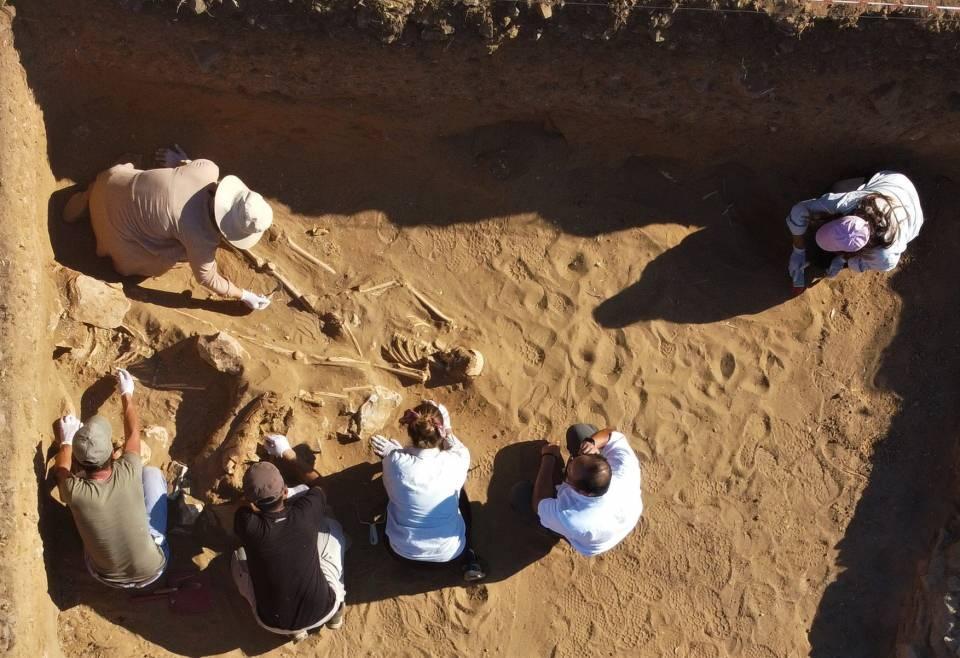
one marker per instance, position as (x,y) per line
(602,221)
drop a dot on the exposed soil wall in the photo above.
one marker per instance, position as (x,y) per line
(27,615)
(497,22)
(605,221)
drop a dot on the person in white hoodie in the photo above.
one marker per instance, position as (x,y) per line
(859,226)
(428,516)
(593,500)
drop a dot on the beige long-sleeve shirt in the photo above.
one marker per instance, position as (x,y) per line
(148,221)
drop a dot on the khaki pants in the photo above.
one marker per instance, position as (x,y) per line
(129,257)
(331,546)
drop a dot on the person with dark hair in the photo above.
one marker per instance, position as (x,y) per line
(428,518)
(594,500)
(118,505)
(866,228)
(290,567)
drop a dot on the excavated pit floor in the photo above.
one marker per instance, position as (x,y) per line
(605,223)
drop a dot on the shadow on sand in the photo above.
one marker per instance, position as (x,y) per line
(913,476)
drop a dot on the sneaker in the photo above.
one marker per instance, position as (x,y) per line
(472,569)
(336,621)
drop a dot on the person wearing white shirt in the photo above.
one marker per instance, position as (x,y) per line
(594,501)
(864,226)
(428,516)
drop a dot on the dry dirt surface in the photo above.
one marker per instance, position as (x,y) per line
(603,222)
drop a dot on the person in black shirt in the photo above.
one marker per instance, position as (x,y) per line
(290,567)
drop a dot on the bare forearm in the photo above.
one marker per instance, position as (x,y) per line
(131,425)
(602,437)
(64,459)
(544,486)
(308,475)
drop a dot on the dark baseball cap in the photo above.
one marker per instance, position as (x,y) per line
(262,483)
(92,444)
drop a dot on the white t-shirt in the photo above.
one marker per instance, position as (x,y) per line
(595,524)
(423,516)
(906,211)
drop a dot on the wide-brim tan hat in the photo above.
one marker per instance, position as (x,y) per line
(241,214)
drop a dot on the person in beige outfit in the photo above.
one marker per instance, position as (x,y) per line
(148,221)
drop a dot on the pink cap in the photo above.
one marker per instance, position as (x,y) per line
(850,233)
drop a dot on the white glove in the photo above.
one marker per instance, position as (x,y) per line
(124,382)
(277,444)
(382,446)
(837,264)
(68,426)
(171,157)
(447,427)
(253,301)
(798,261)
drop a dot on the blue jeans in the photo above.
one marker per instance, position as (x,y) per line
(155,502)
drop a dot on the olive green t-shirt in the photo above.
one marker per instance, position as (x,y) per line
(112,521)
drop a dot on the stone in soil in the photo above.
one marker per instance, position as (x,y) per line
(223,352)
(158,436)
(376,411)
(97,303)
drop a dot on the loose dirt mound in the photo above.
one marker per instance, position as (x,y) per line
(498,22)
(604,226)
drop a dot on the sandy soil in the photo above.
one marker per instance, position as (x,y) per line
(608,232)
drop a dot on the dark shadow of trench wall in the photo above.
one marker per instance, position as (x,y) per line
(913,480)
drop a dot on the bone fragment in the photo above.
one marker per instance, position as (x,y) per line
(430,306)
(353,339)
(380,286)
(345,362)
(310,257)
(195,318)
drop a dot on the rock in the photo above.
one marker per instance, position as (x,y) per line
(440,32)
(546,10)
(97,303)
(146,452)
(198,6)
(223,352)
(950,603)
(157,435)
(376,411)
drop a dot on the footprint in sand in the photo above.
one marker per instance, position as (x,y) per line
(533,355)
(728,364)
(541,427)
(471,606)
(756,429)
(558,303)
(703,650)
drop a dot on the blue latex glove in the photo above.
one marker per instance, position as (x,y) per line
(837,264)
